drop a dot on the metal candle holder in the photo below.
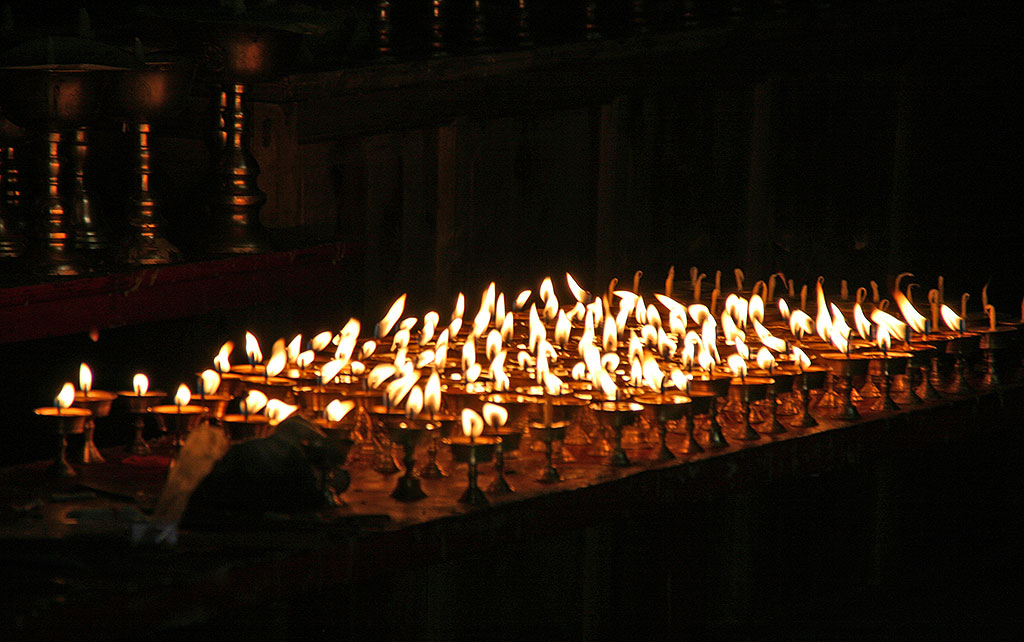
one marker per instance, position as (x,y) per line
(994,342)
(473,452)
(12,241)
(242,427)
(144,93)
(668,406)
(555,416)
(408,433)
(810,378)
(438,427)
(618,414)
(508,441)
(961,346)
(717,386)
(63,422)
(179,421)
(330,461)
(885,365)
(90,239)
(846,367)
(240,54)
(52,98)
(783,384)
(384,459)
(138,407)
(98,402)
(747,390)
(699,404)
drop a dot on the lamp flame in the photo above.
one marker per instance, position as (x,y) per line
(254,402)
(579,293)
(432,394)
(952,320)
(182,396)
(765,359)
(562,329)
(883,340)
(222,361)
(278,411)
(755,311)
(862,322)
(209,382)
(737,365)
(522,298)
(252,349)
(275,365)
(84,378)
(385,325)
(66,396)
(784,308)
(337,409)
(294,348)
(321,341)
(414,402)
(330,370)
(140,384)
(801,359)
(916,320)
(495,416)
(472,423)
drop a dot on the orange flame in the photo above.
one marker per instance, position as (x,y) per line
(84,378)
(337,409)
(66,396)
(494,415)
(210,382)
(140,384)
(183,396)
(472,423)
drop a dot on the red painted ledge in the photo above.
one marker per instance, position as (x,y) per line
(60,308)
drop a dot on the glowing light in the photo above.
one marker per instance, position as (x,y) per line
(784,309)
(883,340)
(182,396)
(522,298)
(579,293)
(209,382)
(385,325)
(765,359)
(222,361)
(338,409)
(495,416)
(294,348)
(755,311)
(472,423)
(952,320)
(916,320)
(254,402)
(66,396)
(252,349)
(321,341)
(610,336)
(801,359)
(432,394)
(737,365)
(275,365)
(140,384)
(562,329)
(278,411)
(84,378)
(414,402)
(862,322)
